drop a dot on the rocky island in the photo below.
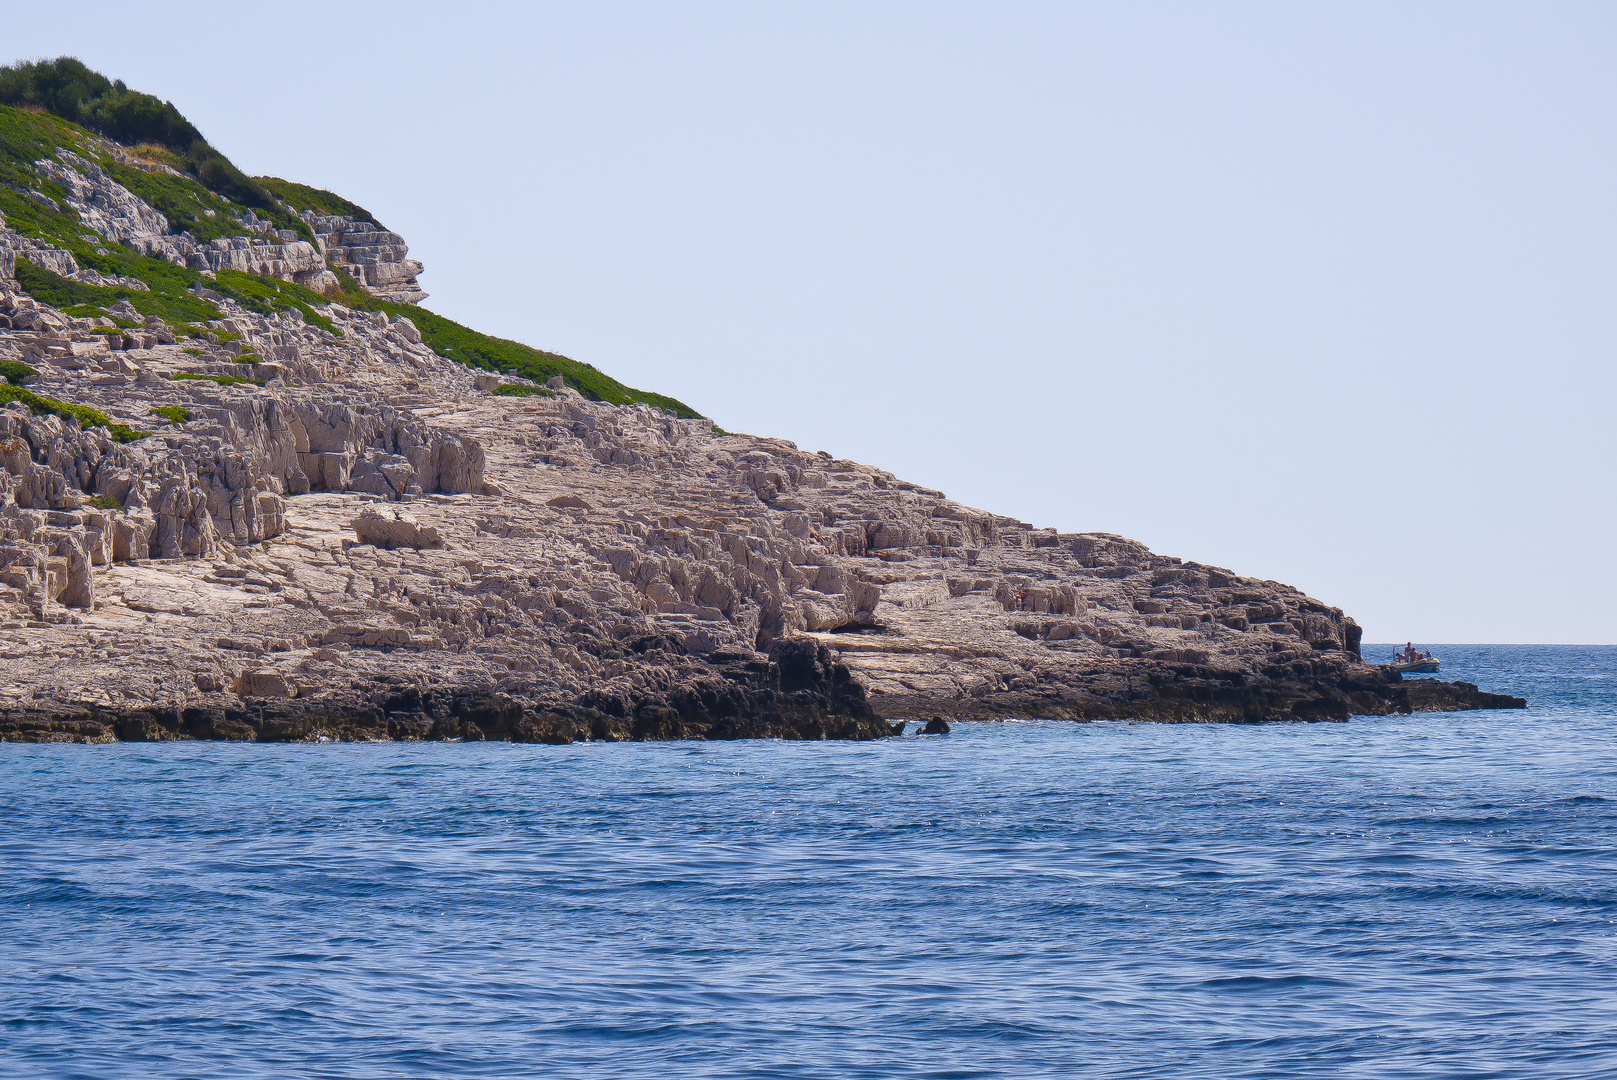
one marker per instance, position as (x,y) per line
(251,489)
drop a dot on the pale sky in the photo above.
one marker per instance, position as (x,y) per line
(1319,292)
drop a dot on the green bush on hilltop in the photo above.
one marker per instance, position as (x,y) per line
(55,103)
(67,88)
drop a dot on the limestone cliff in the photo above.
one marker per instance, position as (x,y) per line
(274,514)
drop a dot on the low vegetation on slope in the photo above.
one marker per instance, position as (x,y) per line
(52,105)
(453,341)
(173,294)
(83,415)
(37,207)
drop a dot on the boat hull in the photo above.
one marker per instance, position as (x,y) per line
(1418,667)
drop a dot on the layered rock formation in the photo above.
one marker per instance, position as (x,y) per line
(372,544)
(376,257)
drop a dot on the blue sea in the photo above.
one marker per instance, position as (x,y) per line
(1421,896)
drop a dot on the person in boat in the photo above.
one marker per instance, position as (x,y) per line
(1411,654)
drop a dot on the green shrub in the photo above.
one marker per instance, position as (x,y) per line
(185,202)
(16,373)
(106,502)
(172,413)
(86,416)
(222,380)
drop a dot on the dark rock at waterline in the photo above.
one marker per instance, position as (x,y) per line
(936,726)
(799,692)
(1179,693)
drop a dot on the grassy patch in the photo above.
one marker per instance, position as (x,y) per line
(222,380)
(522,390)
(187,204)
(168,299)
(25,137)
(86,416)
(172,413)
(153,154)
(106,502)
(15,372)
(171,298)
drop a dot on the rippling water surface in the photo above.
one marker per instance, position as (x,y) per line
(1417,896)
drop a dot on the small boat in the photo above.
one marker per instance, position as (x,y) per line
(1426,665)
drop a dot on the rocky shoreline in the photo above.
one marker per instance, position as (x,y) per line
(304,523)
(800,692)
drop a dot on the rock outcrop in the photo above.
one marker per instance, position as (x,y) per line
(375,256)
(341,534)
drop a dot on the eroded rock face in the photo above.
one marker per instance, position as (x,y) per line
(102,203)
(372,545)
